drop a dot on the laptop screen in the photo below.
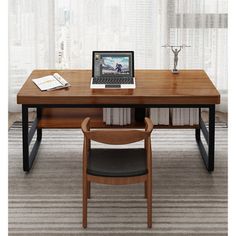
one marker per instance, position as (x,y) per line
(115,64)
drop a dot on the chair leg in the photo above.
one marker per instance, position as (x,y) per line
(85,202)
(149,203)
(89,189)
(145,189)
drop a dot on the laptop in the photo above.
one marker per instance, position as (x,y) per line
(113,69)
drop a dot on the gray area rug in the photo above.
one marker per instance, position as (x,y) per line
(187,200)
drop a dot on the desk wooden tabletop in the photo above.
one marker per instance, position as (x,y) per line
(152,87)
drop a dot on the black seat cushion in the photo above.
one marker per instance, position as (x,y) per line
(117,162)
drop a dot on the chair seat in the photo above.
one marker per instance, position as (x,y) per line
(117,162)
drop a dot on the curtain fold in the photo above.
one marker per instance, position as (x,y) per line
(63,34)
(31,42)
(202,25)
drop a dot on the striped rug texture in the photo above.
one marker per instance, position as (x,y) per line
(187,200)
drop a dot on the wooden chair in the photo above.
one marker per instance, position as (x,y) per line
(117,166)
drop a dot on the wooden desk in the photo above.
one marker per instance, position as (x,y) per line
(154,88)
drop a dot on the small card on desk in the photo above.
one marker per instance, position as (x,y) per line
(51,82)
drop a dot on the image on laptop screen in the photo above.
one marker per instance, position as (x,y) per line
(112,64)
(115,65)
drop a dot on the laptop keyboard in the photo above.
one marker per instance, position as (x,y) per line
(112,80)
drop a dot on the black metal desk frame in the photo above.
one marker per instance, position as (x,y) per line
(208,134)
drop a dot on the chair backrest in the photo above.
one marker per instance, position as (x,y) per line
(116,136)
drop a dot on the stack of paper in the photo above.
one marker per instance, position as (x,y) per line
(117,116)
(164,116)
(160,116)
(185,116)
(107,116)
(154,115)
(194,116)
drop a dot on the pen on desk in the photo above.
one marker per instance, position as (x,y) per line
(48,81)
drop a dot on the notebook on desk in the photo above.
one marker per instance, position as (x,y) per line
(113,69)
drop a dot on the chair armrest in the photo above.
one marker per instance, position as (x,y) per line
(148,125)
(85,125)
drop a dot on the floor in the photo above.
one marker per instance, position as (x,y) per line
(187,200)
(16,116)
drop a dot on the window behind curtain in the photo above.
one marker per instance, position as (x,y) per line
(63,34)
(202,25)
(84,26)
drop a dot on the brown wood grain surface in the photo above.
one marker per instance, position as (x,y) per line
(73,117)
(152,87)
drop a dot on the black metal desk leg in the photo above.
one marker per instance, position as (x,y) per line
(25,138)
(28,157)
(209,135)
(211,144)
(197,130)
(39,131)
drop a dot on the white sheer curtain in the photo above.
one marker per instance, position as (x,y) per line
(202,24)
(63,34)
(31,42)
